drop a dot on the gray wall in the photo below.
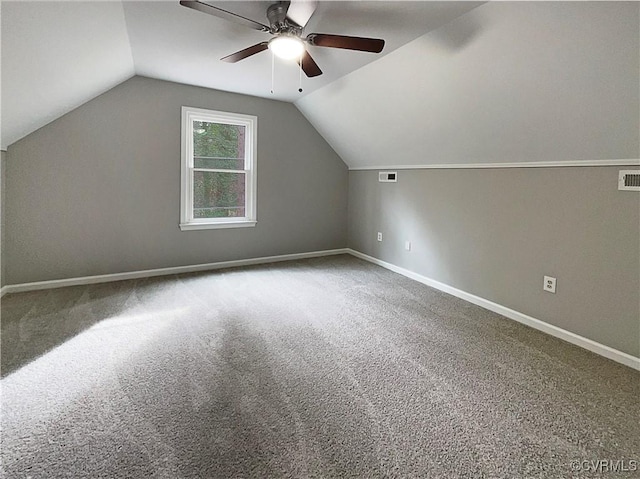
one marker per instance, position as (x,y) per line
(496,232)
(508,82)
(97,191)
(3,166)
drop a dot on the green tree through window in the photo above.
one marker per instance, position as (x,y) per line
(218,171)
(218,147)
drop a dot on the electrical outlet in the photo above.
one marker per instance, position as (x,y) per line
(407,245)
(549,284)
(379,236)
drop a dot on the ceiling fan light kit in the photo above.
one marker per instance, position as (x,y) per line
(287,20)
(287,47)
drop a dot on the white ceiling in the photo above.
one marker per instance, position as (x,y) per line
(509,82)
(58,55)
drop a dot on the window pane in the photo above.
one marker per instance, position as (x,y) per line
(218,195)
(218,146)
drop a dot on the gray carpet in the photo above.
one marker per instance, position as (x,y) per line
(329,367)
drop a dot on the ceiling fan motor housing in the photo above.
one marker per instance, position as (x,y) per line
(277,15)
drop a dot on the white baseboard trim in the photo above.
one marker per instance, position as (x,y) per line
(568,336)
(520,164)
(105,278)
(593,346)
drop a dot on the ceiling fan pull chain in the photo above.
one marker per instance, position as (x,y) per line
(300,75)
(272,70)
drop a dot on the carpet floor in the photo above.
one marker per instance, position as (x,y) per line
(328,367)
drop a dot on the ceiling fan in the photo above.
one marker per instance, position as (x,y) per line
(287,20)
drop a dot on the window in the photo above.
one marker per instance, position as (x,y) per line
(218,169)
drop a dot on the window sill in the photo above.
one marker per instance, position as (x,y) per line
(214,226)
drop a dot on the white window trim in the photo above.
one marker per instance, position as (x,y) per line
(187,221)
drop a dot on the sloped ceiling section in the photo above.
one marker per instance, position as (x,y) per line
(56,56)
(504,83)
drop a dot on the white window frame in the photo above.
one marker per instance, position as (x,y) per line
(189,115)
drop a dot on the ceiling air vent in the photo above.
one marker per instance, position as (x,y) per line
(629,180)
(388,177)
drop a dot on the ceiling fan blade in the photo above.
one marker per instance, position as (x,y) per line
(300,11)
(309,66)
(247,52)
(220,13)
(374,45)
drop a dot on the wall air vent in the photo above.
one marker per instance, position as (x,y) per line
(388,177)
(629,180)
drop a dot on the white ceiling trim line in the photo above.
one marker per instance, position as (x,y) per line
(522,164)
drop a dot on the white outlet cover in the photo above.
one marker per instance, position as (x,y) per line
(379,236)
(407,245)
(549,284)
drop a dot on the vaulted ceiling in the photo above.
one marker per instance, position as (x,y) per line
(58,55)
(506,83)
(457,82)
